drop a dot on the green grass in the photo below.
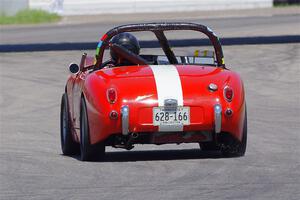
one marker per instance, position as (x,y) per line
(30,17)
(285,4)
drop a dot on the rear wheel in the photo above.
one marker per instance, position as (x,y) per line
(68,145)
(88,152)
(237,149)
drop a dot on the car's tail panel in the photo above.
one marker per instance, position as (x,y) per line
(142,88)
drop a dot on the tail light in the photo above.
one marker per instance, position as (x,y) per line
(113,114)
(228,93)
(111,95)
(228,112)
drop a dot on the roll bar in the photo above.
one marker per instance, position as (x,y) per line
(158,29)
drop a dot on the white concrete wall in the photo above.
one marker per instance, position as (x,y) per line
(84,7)
(11,7)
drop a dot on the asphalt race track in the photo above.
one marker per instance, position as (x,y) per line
(31,85)
(32,167)
(228,27)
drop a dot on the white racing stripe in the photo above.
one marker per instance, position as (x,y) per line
(168,86)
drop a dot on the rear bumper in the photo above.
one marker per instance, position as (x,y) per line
(160,138)
(205,123)
(174,137)
(218,118)
(125,119)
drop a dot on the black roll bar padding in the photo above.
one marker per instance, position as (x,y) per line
(128,55)
(163,41)
(162,27)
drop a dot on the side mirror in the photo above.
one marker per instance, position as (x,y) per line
(74,68)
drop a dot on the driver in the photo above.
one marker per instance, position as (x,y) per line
(127,41)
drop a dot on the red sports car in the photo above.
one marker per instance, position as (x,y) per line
(134,98)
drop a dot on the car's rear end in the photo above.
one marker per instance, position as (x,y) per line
(165,104)
(159,99)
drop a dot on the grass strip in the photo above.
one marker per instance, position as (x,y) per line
(29,17)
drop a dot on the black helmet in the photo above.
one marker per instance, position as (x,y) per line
(127,41)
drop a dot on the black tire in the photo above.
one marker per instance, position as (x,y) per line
(68,145)
(88,152)
(243,146)
(239,149)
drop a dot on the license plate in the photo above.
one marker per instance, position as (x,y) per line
(178,116)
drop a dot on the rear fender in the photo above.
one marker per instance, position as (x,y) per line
(98,109)
(234,124)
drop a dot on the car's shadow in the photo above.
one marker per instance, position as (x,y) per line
(154,155)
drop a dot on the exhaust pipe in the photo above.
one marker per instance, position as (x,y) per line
(134,135)
(128,144)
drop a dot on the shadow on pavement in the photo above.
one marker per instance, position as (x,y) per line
(133,156)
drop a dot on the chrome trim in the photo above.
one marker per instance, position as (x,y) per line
(125,119)
(170,104)
(218,117)
(212,87)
